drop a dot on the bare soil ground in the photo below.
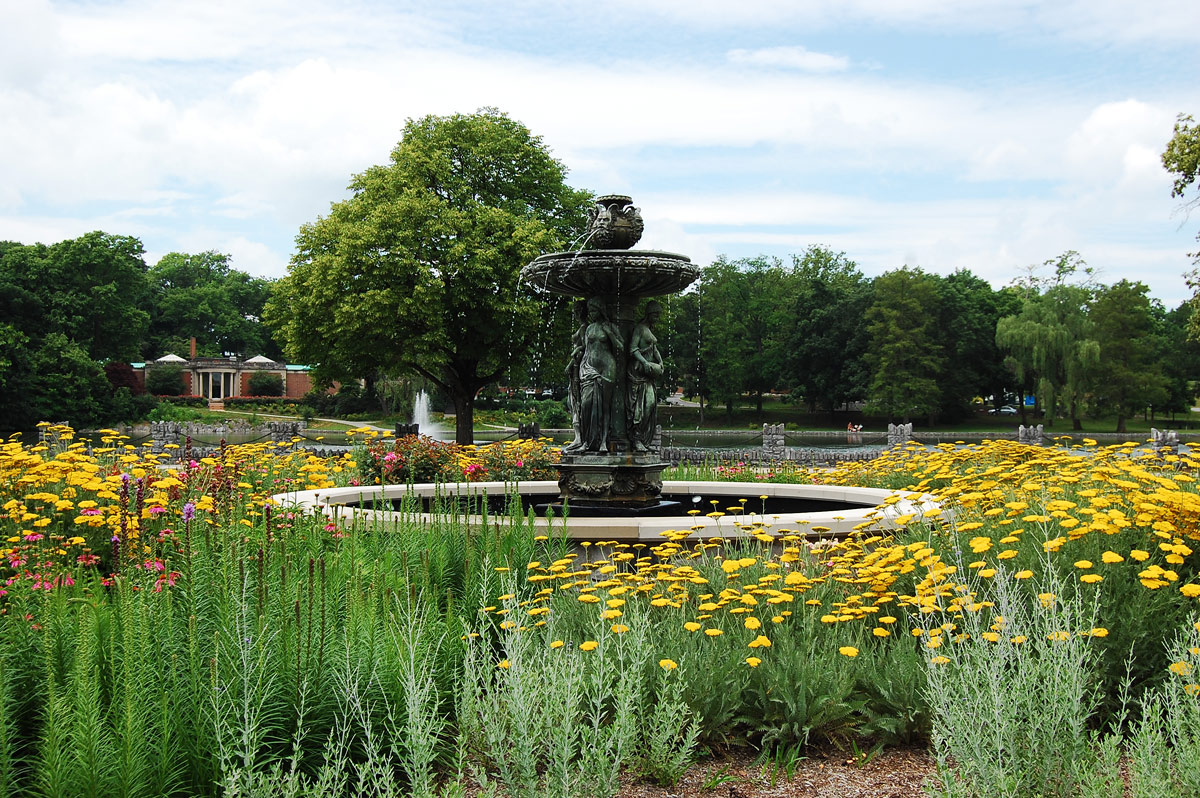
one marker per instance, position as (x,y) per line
(894,773)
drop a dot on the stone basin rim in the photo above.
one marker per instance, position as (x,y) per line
(332,502)
(625,254)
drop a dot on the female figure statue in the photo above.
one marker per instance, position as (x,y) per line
(597,376)
(574,400)
(645,366)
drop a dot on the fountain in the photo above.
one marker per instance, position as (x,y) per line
(610,483)
(610,467)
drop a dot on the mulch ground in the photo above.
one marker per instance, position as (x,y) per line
(894,773)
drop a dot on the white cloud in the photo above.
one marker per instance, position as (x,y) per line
(794,57)
(228,124)
(1097,22)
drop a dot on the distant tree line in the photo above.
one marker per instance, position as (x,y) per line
(74,314)
(914,345)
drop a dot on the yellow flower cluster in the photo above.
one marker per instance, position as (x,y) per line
(1008,507)
(68,503)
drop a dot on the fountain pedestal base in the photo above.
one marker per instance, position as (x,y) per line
(616,480)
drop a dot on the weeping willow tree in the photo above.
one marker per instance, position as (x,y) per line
(1050,342)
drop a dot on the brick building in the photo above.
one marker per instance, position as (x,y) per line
(218,378)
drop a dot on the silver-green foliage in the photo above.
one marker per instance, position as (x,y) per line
(1164,754)
(1010,716)
(670,732)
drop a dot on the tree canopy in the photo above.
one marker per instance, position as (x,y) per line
(905,353)
(824,333)
(1125,330)
(202,296)
(64,309)
(1050,340)
(416,273)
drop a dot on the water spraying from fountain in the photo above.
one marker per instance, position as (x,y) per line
(424,419)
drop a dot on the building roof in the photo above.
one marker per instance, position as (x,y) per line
(170,357)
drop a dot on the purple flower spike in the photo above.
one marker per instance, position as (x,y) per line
(189,511)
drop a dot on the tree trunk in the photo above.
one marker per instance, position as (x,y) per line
(758,406)
(1120,422)
(464,417)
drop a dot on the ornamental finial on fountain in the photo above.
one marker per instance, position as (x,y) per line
(613,223)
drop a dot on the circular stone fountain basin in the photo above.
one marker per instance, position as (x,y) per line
(812,510)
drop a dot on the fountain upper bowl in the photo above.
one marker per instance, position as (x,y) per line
(611,272)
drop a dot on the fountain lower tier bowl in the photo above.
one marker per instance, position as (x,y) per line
(611,272)
(811,510)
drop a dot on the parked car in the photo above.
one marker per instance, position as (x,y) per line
(1006,410)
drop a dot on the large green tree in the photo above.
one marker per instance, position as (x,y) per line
(1182,158)
(1180,356)
(724,337)
(64,309)
(1125,328)
(417,272)
(969,309)
(905,352)
(825,340)
(1050,341)
(202,296)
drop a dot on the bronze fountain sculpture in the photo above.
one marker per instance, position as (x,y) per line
(610,465)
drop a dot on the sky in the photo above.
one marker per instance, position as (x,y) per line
(989,135)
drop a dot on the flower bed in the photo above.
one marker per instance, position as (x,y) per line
(170,628)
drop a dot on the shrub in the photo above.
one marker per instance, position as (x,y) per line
(121,375)
(552,414)
(166,380)
(419,458)
(169,411)
(183,401)
(264,383)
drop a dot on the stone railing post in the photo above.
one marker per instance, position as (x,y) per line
(773,441)
(1031,435)
(899,433)
(1165,441)
(283,431)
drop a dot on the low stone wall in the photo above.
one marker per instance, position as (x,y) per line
(199,452)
